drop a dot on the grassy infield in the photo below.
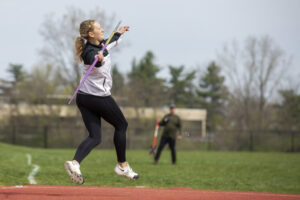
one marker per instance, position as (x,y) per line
(237,171)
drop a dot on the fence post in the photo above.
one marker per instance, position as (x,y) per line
(45,137)
(251,142)
(14,138)
(292,141)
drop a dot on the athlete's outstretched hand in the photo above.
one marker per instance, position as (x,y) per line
(123,29)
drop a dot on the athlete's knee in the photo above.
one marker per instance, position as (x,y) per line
(122,126)
(96,140)
(125,125)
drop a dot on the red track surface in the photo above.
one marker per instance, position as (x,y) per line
(45,192)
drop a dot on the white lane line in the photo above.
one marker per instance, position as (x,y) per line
(29,159)
(33,172)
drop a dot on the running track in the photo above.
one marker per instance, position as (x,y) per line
(44,192)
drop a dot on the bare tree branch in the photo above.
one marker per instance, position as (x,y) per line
(255,73)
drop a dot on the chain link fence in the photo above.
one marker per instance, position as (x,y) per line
(69,132)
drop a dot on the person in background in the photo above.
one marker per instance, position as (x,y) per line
(172,125)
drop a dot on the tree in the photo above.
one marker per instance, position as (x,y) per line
(289,114)
(8,88)
(59,36)
(289,111)
(118,83)
(38,86)
(17,72)
(144,83)
(254,73)
(211,94)
(182,87)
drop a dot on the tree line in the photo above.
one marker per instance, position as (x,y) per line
(241,89)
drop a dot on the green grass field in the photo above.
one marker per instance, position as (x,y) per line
(236,171)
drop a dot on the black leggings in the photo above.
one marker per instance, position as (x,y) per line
(92,109)
(163,141)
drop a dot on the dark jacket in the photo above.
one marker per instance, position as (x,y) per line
(90,50)
(172,125)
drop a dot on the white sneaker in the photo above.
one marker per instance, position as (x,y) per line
(73,169)
(126,172)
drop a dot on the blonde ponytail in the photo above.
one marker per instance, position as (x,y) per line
(84,29)
(79,46)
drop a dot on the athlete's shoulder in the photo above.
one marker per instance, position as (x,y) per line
(88,48)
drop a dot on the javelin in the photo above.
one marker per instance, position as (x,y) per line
(94,63)
(152,148)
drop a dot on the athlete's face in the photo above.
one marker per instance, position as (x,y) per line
(97,33)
